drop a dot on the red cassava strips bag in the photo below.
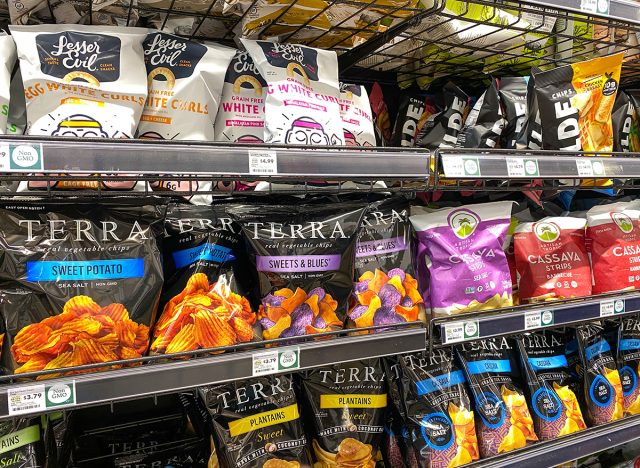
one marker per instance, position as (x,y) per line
(613,241)
(551,259)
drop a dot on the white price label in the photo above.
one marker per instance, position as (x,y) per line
(456,332)
(522,167)
(538,319)
(595,6)
(461,167)
(263,162)
(590,168)
(41,397)
(21,158)
(612,307)
(271,362)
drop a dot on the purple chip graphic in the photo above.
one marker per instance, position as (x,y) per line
(301,317)
(318,292)
(397,272)
(357,311)
(387,316)
(389,296)
(266,323)
(362,286)
(319,323)
(273,300)
(406,302)
(291,331)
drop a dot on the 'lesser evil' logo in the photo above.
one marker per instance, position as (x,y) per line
(546,232)
(463,223)
(623,221)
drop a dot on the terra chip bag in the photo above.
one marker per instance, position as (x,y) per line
(85,285)
(503,421)
(357,118)
(552,386)
(464,250)
(438,410)
(346,404)
(386,291)
(304,256)
(257,423)
(628,359)
(206,282)
(303,103)
(552,260)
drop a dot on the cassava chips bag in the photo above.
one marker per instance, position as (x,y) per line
(304,256)
(503,421)
(628,359)
(357,118)
(464,249)
(82,281)
(204,303)
(551,259)
(303,103)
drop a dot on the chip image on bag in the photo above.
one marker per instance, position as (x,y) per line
(602,387)
(84,288)
(386,290)
(552,386)
(356,115)
(257,423)
(304,256)
(551,259)
(346,404)
(464,250)
(438,410)
(204,301)
(503,420)
(628,359)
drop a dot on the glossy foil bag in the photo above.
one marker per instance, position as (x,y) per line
(304,256)
(406,126)
(8,54)
(303,103)
(628,360)
(346,406)
(513,97)
(624,119)
(21,443)
(553,388)
(439,414)
(485,122)
(357,118)
(82,281)
(204,301)
(530,136)
(257,423)
(441,129)
(386,288)
(503,420)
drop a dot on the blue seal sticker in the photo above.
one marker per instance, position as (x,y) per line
(628,379)
(547,404)
(491,409)
(437,431)
(601,391)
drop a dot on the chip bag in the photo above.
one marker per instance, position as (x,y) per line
(304,255)
(552,386)
(485,122)
(503,421)
(257,423)
(551,259)
(602,387)
(346,404)
(8,54)
(613,242)
(464,249)
(624,117)
(21,443)
(441,129)
(575,104)
(82,281)
(357,118)
(382,119)
(438,408)
(409,113)
(530,135)
(513,97)
(204,301)
(628,359)
(386,291)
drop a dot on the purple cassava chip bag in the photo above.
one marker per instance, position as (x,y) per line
(304,256)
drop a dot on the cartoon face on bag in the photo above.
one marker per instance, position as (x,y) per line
(306,131)
(80,126)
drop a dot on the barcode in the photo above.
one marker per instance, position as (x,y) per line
(26,408)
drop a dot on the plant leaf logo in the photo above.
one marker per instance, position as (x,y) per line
(463,223)
(546,232)
(623,221)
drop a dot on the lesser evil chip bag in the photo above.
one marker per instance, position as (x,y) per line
(575,104)
(624,119)
(628,359)
(439,415)
(503,421)
(613,242)
(257,423)
(409,112)
(303,103)
(82,281)
(485,122)
(601,382)
(346,404)
(8,51)
(304,255)
(553,388)
(464,249)
(552,260)
(386,290)
(204,303)
(356,115)
(513,97)
(21,443)
(530,135)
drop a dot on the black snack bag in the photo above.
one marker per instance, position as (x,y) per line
(21,444)
(304,255)
(409,112)
(256,423)
(346,405)
(530,135)
(485,122)
(205,262)
(441,422)
(386,291)
(441,130)
(628,359)
(553,389)
(82,281)
(513,96)
(602,388)
(624,119)
(503,421)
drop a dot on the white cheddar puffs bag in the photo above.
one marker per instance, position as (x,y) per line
(303,101)
(8,51)
(357,118)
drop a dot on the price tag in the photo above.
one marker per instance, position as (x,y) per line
(595,6)
(538,319)
(271,362)
(590,168)
(21,158)
(522,167)
(263,162)
(456,332)
(612,307)
(461,167)
(41,397)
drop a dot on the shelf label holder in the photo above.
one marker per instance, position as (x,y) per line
(272,362)
(40,397)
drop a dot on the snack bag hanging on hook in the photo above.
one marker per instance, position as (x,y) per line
(628,358)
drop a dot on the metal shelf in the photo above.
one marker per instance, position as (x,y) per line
(479,325)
